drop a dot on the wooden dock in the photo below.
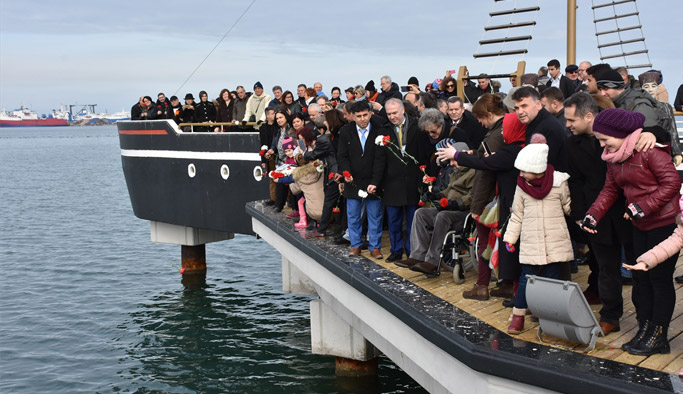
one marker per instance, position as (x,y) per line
(493,313)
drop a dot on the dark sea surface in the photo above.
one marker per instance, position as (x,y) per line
(90,304)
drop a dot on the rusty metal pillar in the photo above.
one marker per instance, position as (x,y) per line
(193,265)
(355,368)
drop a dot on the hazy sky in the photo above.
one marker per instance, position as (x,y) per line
(111,52)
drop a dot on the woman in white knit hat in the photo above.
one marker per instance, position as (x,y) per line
(541,202)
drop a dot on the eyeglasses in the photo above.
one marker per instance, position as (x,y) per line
(450,85)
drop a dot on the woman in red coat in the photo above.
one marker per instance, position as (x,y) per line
(651,187)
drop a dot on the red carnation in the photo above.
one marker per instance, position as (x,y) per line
(423,168)
(472,239)
(498,233)
(332,174)
(182,270)
(346,174)
(335,210)
(386,139)
(443,202)
(261,152)
(276,174)
(420,203)
(431,179)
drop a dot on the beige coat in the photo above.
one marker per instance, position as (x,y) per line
(311,182)
(541,223)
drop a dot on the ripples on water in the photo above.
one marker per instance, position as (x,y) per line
(89,304)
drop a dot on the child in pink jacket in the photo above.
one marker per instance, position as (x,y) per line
(665,249)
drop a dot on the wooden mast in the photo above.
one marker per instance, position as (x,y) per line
(571,32)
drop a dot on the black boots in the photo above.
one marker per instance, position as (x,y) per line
(642,330)
(653,341)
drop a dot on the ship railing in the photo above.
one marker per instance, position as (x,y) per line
(189,127)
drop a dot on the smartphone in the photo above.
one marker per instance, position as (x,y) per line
(302,145)
(486,148)
(405,89)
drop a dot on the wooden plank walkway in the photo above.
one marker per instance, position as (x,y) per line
(493,313)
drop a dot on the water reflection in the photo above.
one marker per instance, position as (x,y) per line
(221,339)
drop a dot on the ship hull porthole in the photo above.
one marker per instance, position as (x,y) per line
(225,172)
(258,173)
(191,170)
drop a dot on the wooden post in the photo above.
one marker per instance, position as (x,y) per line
(462,73)
(521,66)
(571,32)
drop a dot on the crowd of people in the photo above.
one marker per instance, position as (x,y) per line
(577,168)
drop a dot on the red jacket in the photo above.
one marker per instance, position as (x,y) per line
(648,179)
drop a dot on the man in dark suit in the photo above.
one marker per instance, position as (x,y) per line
(402,175)
(361,161)
(558,80)
(459,117)
(530,111)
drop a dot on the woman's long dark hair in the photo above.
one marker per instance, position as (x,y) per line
(335,120)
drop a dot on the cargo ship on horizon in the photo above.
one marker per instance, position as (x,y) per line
(24,117)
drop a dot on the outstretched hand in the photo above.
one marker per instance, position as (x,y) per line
(640,266)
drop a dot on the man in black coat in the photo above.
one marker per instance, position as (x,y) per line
(566,85)
(136,109)
(402,175)
(587,173)
(459,117)
(163,107)
(361,161)
(530,111)
(389,90)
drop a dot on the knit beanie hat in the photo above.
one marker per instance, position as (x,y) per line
(459,146)
(370,86)
(617,123)
(533,158)
(288,143)
(413,81)
(648,77)
(607,77)
(258,85)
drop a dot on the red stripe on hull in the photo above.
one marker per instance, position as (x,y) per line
(34,122)
(142,132)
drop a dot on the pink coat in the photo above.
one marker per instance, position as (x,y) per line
(667,248)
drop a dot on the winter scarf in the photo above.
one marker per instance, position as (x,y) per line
(625,151)
(538,188)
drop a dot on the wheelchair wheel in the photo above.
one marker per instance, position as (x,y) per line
(459,272)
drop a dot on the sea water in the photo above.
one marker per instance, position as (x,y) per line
(88,304)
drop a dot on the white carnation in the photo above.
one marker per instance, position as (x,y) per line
(362,193)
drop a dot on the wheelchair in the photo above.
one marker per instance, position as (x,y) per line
(458,253)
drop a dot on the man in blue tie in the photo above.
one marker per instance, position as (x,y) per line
(362,162)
